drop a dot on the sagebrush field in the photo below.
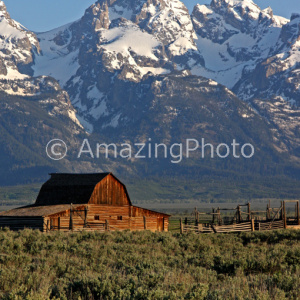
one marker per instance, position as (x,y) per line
(145,265)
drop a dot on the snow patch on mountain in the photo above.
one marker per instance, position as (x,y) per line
(124,39)
(56,60)
(10,32)
(13,74)
(73,117)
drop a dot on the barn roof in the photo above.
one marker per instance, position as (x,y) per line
(64,188)
(37,211)
(61,190)
(43,211)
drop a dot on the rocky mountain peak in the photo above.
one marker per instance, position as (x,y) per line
(169,21)
(244,15)
(222,19)
(268,11)
(247,5)
(3,10)
(101,49)
(17,46)
(276,76)
(97,15)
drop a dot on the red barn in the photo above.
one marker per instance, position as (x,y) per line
(84,202)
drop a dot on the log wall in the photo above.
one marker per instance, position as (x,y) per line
(117,217)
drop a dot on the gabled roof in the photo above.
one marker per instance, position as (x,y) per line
(63,188)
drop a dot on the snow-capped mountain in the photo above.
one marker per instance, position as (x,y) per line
(229,41)
(279,74)
(18,48)
(257,55)
(33,110)
(233,36)
(116,40)
(129,70)
(249,50)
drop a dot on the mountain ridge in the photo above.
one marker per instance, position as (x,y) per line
(134,70)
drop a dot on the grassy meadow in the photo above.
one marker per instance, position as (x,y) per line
(145,265)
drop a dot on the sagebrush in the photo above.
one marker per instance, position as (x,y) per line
(145,265)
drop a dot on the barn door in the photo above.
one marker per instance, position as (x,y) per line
(54,224)
(160,224)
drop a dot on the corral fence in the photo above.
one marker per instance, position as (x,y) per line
(243,219)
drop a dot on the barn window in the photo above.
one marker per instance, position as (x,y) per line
(120,218)
(97,218)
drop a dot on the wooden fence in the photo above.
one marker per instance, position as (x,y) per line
(262,226)
(243,221)
(239,227)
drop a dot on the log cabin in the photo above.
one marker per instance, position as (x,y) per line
(75,202)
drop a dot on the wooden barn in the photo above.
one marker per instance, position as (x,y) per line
(83,202)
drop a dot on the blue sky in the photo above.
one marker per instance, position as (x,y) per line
(43,15)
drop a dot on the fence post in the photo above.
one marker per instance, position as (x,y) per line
(252,225)
(196,217)
(268,212)
(218,216)
(181,226)
(106,225)
(58,223)
(47,226)
(145,223)
(249,211)
(239,213)
(284,215)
